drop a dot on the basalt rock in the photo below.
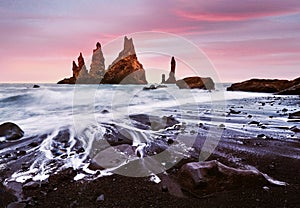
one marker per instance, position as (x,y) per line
(204,178)
(171,79)
(97,67)
(128,50)
(128,70)
(11,131)
(196,82)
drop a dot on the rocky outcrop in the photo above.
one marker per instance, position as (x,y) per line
(171,79)
(79,71)
(97,66)
(128,70)
(267,86)
(294,90)
(196,82)
(11,131)
(128,50)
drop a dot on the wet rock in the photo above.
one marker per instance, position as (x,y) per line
(111,157)
(151,87)
(21,153)
(295,129)
(196,83)
(144,121)
(36,86)
(231,111)
(104,111)
(100,198)
(204,178)
(11,131)
(222,126)
(16,205)
(31,185)
(295,115)
(254,123)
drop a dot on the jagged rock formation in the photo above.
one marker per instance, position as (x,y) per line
(128,50)
(205,83)
(267,85)
(171,79)
(126,69)
(78,71)
(97,66)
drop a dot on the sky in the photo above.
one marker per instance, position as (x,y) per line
(39,39)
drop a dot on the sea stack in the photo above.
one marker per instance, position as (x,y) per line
(79,71)
(172,79)
(97,66)
(125,69)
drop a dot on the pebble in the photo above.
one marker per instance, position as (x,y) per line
(100,198)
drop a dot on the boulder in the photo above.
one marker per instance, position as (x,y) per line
(36,86)
(204,178)
(295,115)
(196,82)
(11,131)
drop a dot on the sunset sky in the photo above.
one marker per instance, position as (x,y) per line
(243,39)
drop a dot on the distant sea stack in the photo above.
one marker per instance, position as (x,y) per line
(171,79)
(125,69)
(283,87)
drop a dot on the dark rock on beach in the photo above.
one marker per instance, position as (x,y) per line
(11,131)
(196,83)
(204,178)
(295,115)
(155,123)
(36,86)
